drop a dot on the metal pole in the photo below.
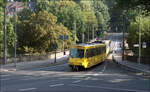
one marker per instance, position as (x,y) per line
(83,37)
(93,31)
(15,36)
(139,60)
(55,56)
(5,37)
(75,32)
(123,38)
(63,43)
(88,33)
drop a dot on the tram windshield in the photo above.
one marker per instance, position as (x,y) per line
(77,53)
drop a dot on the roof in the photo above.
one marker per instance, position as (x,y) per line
(15,6)
(88,45)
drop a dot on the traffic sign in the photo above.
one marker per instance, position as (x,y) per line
(136,45)
(144,45)
(65,37)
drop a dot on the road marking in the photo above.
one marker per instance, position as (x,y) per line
(87,78)
(5,79)
(76,81)
(56,85)
(4,75)
(53,67)
(109,88)
(27,89)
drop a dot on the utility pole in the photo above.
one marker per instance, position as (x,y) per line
(5,36)
(123,37)
(74,32)
(139,59)
(63,43)
(88,33)
(93,32)
(83,37)
(55,57)
(15,34)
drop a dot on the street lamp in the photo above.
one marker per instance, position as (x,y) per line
(5,34)
(74,31)
(63,41)
(15,13)
(123,37)
(139,59)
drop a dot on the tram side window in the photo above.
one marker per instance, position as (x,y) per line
(93,52)
(99,50)
(89,53)
(103,49)
(96,51)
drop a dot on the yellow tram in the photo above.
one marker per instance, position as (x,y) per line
(87,55)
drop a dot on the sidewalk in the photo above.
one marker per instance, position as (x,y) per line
(144,68)
(60,59)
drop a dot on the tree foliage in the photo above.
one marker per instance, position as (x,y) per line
(39,28)
(126,4)
(145,34)
(10,33)
(102,14)
(40,32)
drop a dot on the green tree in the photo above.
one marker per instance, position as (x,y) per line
(145,34)
(1,31)
(102,14)
(91,21)
(25,14)
(68,13)
(127,4)
(40,32)
(10,31)
(42,5)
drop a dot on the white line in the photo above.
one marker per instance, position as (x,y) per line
(109,88)
(53,67)
(76,81)
(87,78)
(4,75)
(56,85)
(5,79)
(27,89)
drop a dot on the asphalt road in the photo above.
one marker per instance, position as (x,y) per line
(105,77)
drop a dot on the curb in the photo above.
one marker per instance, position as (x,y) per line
(34,66)
(129,68)
(7,70)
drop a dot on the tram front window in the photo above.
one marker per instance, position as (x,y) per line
(77,53)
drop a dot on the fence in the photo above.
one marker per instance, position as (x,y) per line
(144,59)
(30,57)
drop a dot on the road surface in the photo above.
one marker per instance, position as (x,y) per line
(105,77)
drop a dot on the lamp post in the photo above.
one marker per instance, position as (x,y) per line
(75,32)
(5,35)
(93,32)
(139,59)
(63,42)
(15,13)
(123,38)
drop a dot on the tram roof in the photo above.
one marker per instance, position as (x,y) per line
(89,44)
